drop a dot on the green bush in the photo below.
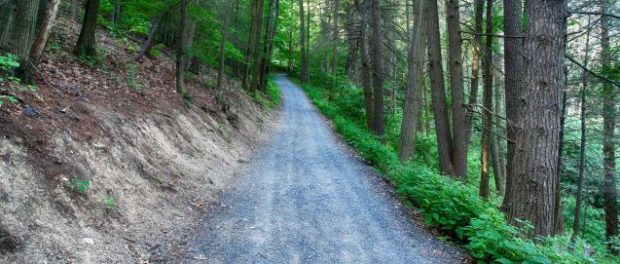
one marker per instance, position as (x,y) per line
(447,204)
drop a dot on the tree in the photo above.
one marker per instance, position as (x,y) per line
(415,81)
(609,125)
(534,169)
(87,42)
(377,68)
(22,35)
(49,18)
(302,41)
(365,61)
(455,54)
(440,112)
(475,64)
(181,49)
(487,103)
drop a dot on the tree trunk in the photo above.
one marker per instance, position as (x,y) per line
(475,65)
(272,24)
(22,35)
(487,101)
(377,67)
(609,124)
(534,168)
(222,51)
(302,41)
(513,68)
(438,91)
(181,48)
(335,37)
(455,53)
(46,27)
(366,75)
(7,12)
(87,42)
(415,82)
(116,15)
(146,47)
(256,61)
(582,146)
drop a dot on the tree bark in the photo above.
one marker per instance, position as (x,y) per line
(365,68)
(609,147)
(475,65)
(46,27)
(302,41)
(181,49)
(377,68)
(87,42)
(415,82)
(222,51)
(487,101)
(435,69)
(535,165)
(455,54)
(22,35)
(513,68)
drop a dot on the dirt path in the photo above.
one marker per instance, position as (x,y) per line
(305,199)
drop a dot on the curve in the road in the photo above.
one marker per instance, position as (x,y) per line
(305,199)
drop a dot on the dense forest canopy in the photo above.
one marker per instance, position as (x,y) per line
(513,102)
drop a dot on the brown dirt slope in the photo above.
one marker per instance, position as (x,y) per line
(113,167)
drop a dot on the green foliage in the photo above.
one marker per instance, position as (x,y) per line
(271,99)
(447,204)
(109,201)
(78,186)
(8,64)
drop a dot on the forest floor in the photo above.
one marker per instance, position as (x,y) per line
(306,198)
(102,162)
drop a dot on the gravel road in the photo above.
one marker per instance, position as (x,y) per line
(305,198)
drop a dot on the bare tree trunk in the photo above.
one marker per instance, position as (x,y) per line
(438,90)
(335,37)
(534,168)
(366,75)
(87,42)
(7,12)
(46,27)
(475,65)
(513,63)
(146,47)
(455,54)
(272,24)
(582,146)
(222,51)
(22,36)
(487,120)
(415,82)
(609,125)
(181,48)
(116,15)
(302,41)
(377,67)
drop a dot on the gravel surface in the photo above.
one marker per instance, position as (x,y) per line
(305,198)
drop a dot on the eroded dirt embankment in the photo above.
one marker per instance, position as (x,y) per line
(104,172)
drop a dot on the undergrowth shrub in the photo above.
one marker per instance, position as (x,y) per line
(447,204)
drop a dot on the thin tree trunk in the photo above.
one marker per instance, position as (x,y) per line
(87,42)
(377,67)
(438,90)
(455,54)
(415,82)
(181,48)
(146,47)
(535,165)
(256,61)
(475,65)
(6,21)
(269,38)
(302,41)
(222,51)
(609,125)
(487,99)
(46,27)
(582,146)
(22,36)
(335,37)
(365,60)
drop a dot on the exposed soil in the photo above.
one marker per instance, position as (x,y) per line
(151,165)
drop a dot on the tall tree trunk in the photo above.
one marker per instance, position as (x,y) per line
(438,91)
(272,24)
(415,82)
(335,37)
(513,68)
(302,41)
(6,21)
(46,27)
(377,67)
(609,125)
(222,51)
(22,36)
(487,101)
(534,168)
(87,42)
(181,49)
(116,15)
(582,146)
(146,47)
(365,60)
(475,65)
(497,149)
(455,54)
(256,61)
